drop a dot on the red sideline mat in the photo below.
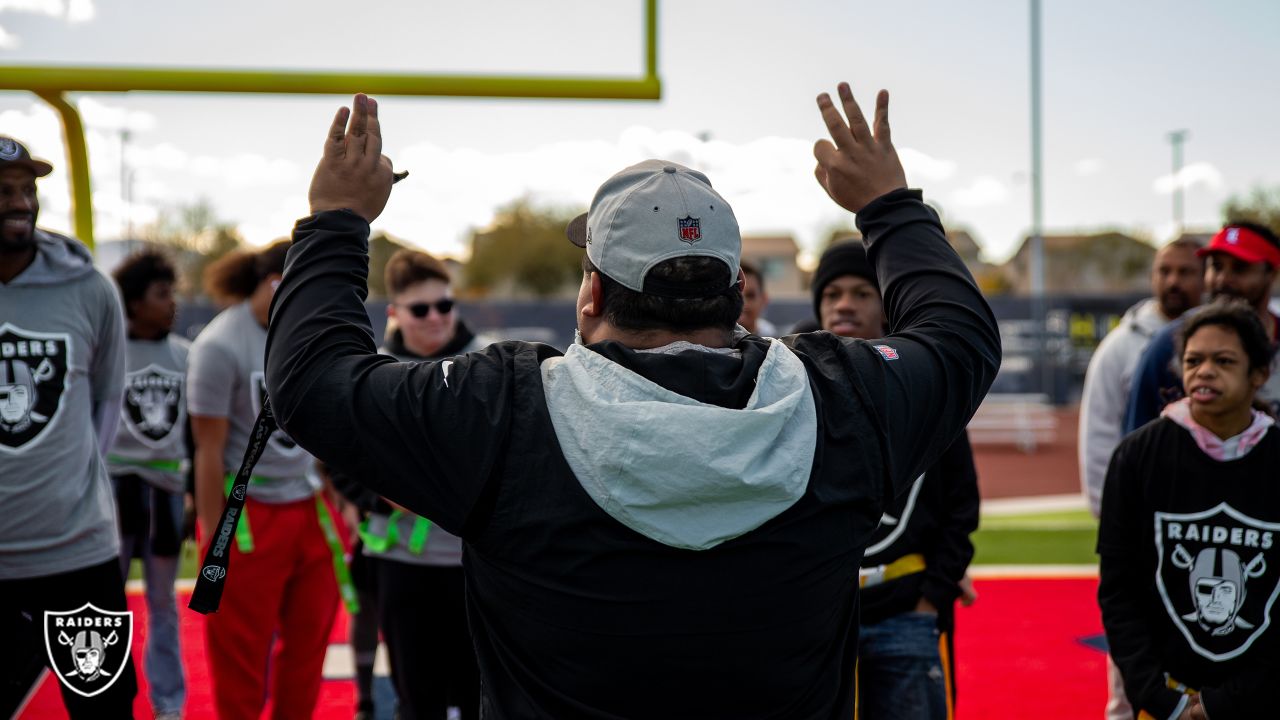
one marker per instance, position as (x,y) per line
(1019,653)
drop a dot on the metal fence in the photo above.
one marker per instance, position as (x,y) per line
(1075,325)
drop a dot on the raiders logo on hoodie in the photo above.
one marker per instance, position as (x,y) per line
(33,373)
(1218,574)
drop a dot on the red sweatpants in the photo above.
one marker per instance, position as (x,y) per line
(284,590)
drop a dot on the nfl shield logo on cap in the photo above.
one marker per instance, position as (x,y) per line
(690,229)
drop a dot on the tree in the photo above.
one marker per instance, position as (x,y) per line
(524,251)
(381,247)
(1261,205)
(196,237)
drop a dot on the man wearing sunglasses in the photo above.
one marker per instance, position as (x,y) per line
(415,566)
(421,321)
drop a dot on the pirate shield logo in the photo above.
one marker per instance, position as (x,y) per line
(1218,575)
(33,375)
(88,647)
(153,405)
(280,441)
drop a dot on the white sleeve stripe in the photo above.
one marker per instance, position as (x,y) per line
(1182,705)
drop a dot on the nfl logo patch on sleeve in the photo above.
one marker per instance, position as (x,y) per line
(886,352)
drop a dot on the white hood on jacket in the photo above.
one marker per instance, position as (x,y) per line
(681,472)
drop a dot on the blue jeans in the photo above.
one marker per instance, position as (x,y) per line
(900,672)
(163,657)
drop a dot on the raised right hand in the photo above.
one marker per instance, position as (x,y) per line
(860,166)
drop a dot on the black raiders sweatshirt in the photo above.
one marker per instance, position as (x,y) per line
(1190,568)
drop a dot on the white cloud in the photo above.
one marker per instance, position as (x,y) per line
(768,182)
(80,10)
(164,156)
(922,167)
(245,169)
(52,8)
(100,115)
(985,190)
(1088,167)
(71,10)
(1195,174)
(9,41)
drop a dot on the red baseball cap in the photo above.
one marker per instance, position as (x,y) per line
(1243,243)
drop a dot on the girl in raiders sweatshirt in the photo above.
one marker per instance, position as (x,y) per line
(1190,501)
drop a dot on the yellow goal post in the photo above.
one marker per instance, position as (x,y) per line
(51,83)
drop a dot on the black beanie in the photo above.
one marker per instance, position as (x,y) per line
(842,258)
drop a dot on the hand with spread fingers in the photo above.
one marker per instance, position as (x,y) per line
(861,165)
(353,174)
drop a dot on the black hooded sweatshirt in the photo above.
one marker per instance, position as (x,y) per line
(1190,572)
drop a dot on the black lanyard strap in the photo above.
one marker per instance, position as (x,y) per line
(213,573)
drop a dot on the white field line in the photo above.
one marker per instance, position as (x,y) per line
(1010,572)
(1038,504)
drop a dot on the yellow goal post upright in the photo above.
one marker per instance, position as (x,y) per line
(51,83)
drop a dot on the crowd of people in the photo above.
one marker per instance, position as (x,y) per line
(682,514)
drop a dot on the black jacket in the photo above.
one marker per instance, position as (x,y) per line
(1190,571)
(350,488)
(575,614)
(935,520)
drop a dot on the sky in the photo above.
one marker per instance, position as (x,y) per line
(739,82)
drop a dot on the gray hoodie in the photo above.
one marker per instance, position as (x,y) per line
(1106,392)
(61,380)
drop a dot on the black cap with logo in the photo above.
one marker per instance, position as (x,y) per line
(13,152)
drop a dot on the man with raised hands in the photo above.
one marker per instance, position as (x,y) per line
(666,519)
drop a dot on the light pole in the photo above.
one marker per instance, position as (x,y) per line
(1176,138)
(126,191)
(1037,212)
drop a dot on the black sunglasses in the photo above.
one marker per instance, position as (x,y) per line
(422,309)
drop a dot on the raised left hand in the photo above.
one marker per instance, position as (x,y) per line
(353,174)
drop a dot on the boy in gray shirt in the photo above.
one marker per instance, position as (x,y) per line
(149,462)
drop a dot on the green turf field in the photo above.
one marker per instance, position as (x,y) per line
(1052,538)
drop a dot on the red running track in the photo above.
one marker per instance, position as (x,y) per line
(1018,654)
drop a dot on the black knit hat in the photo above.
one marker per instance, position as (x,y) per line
(842,258)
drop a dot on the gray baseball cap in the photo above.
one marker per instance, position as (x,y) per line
(655,211)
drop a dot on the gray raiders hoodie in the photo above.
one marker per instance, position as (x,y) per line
(61,380)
